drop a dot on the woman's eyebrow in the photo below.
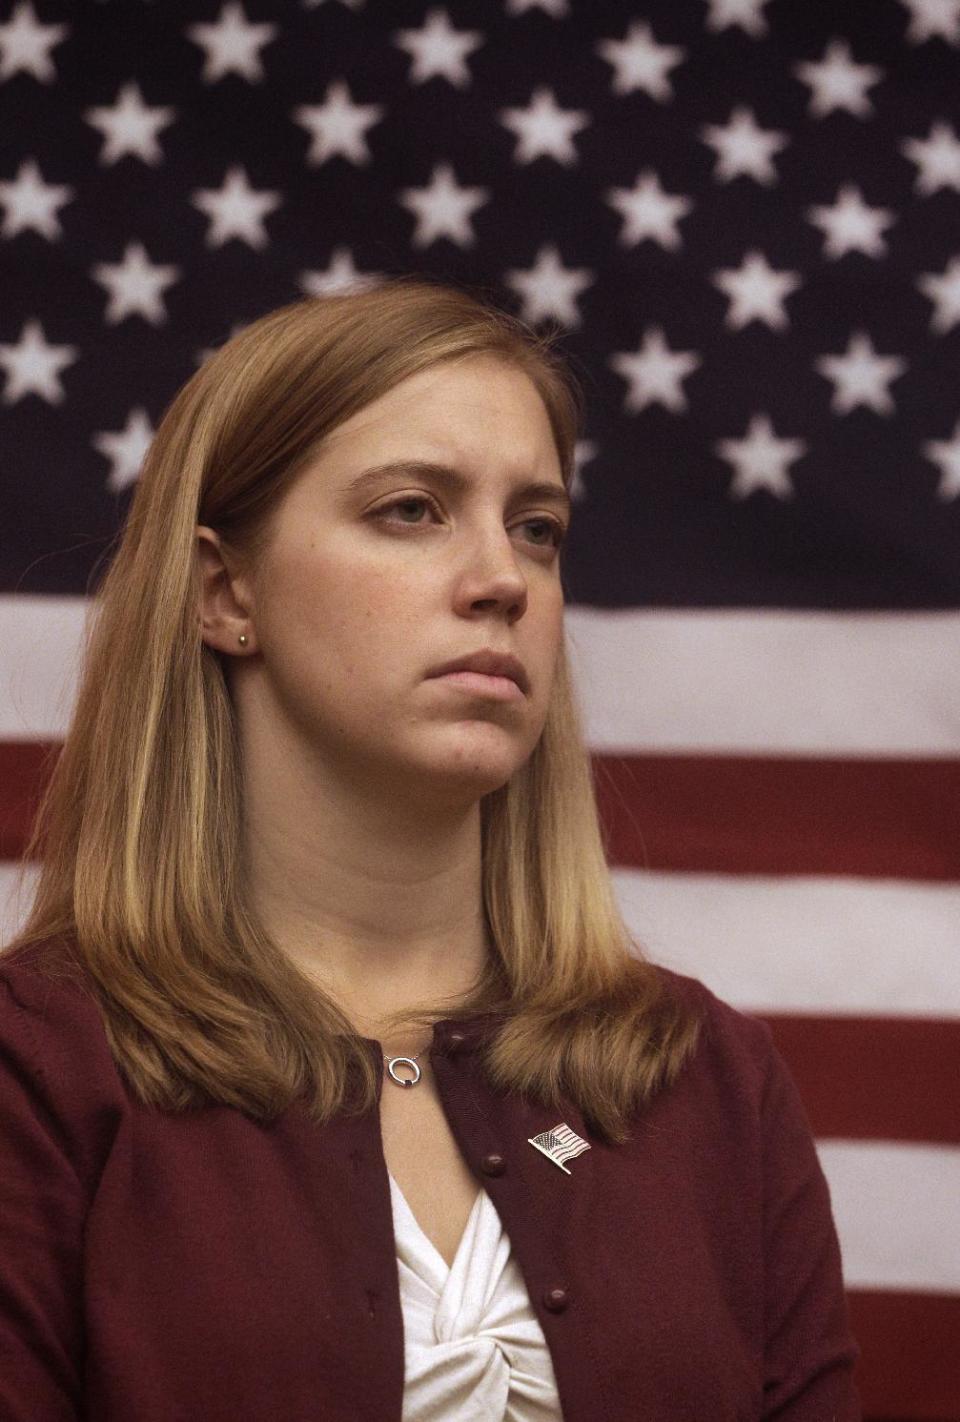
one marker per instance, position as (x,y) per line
(450,478)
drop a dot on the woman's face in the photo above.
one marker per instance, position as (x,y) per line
(367,587)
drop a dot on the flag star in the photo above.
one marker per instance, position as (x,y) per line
(937,158)
(439,49)
(232,45)
(851,226)
(32,203)
(946,453)
(548,289)
(443,209)
(756,291)
(654,372)
(204,355)
(32,367)
(930,18)
(861,376)
(648,211)
(25,42)
(944,292)
(126,449)
(130,126)
(837,82)
(556,8)
(745,13)
(542,129)
(760,460)
(235,209)
(338,125)
(641,63)
(340,276)
(583,451)
(136,285)
(743,147)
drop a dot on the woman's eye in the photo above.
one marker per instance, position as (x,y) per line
(553,531)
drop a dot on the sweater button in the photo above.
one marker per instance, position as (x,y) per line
(493,1165)
(455,1041)
(556,1300)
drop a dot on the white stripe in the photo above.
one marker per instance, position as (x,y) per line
(729,681)
(40,644)
(895,1208)
(847,947)
(757,682)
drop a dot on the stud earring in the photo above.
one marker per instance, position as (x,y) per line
(242,639)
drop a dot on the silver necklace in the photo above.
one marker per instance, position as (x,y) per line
(405,1061)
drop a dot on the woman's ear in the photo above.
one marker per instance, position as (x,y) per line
(225,604)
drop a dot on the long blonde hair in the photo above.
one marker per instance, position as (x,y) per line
(138,834)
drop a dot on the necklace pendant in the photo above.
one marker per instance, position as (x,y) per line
(403,1080)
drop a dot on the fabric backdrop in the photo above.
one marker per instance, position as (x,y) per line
(744,216)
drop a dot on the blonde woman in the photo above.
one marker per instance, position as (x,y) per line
(331,1083)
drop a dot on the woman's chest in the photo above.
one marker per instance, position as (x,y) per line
(424,1159)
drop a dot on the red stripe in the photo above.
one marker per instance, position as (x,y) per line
(910,1363)
(23,775)
(762,815)
(709,814)
(874,1078)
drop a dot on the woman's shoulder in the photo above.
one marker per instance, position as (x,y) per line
(51,1026)
(735,1047)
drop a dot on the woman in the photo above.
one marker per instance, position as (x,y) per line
(331,1084)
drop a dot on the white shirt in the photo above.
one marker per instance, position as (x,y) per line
(473,1347)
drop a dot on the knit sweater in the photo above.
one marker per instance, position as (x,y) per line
(205,1267)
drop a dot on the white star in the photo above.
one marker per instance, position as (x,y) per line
(232,45)
(742,147)
(135,285)
(208,351)
(443,209)
(946,453)
(756,292)
(548,289)
(126,449)
(130,127)
(648,211)
(937,158)
(439,49)
(338,125)
(340,276)
(32,203)
(556,8)
(24,43)
(861,376)
(929,18)
(745,13)
(583,451)
(837,82)
(641,63)
(944,292)
(760,459)
(851,226)
(544,129)
(654,372)
(235,209)
(32,367)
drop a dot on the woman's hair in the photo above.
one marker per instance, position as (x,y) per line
(138,836)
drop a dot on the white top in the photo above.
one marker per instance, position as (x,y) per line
(473,1347)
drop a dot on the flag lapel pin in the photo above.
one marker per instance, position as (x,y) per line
(559,1144)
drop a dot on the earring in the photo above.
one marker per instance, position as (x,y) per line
(242,639)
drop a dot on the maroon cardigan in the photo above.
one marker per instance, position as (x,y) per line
(202,1267)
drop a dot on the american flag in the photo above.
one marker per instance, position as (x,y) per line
(743,219)
(559,1144)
